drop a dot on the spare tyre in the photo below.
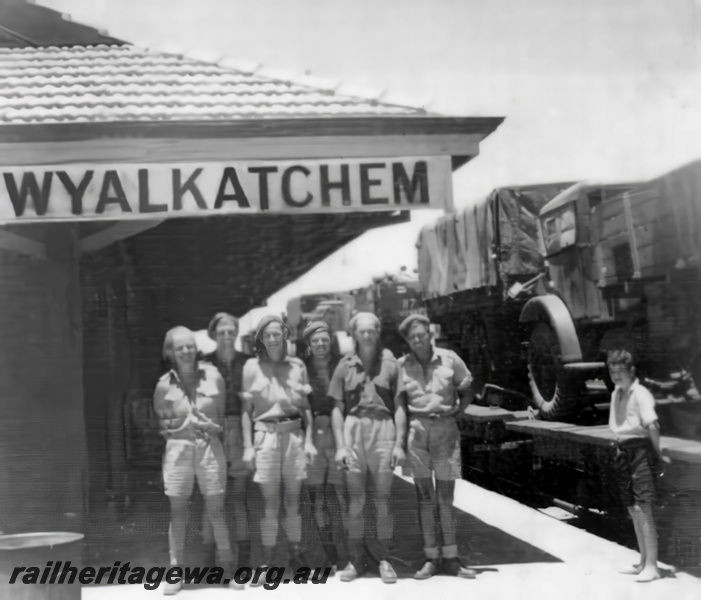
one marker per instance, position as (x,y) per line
(555,391)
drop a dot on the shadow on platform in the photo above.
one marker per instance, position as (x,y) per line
(134,528)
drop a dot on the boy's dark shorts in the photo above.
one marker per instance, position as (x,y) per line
(635,468)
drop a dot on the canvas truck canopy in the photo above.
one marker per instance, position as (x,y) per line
(494,240)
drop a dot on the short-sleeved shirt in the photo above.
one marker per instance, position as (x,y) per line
(631,413)
(433,392)
(275,389)
(176,404)
(232,372)
(320,378)
(353,387)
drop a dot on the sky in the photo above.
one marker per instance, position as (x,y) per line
(602,90)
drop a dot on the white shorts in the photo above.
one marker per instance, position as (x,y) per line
(371,442)
(185,460)
(279,456)
(433,448)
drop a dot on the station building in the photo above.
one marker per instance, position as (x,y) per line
(141,190)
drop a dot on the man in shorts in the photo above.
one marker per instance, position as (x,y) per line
(277,436)
(189,404)
(369,428)
(633,420)
(224,329)
(435,384)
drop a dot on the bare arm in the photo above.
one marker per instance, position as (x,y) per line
(246,408)
(159,404)
(309,448)
(336,395)
(465,399)
(654,431)
(337,425)
(308,424)
(247,423)
(648,418)
(343,449)
(168,423)
(462,380)
(306,410)
(400,420)
(220,403)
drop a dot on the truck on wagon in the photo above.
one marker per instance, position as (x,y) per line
(534,284)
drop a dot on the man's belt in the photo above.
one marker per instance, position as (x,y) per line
(449,415)
(370,413)
(279,425)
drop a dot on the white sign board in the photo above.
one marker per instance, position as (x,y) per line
(160,191)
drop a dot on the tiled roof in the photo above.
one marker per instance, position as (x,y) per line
(125,83)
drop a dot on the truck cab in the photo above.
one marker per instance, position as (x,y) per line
(623,263)
(570,252)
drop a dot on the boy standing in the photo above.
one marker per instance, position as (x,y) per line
(633,421)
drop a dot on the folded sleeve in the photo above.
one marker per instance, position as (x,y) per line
(646,406)
(462,378)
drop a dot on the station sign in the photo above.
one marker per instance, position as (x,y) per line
(89,192)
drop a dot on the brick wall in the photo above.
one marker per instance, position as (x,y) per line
(43,475)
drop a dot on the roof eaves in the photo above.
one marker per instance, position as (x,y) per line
(254,127)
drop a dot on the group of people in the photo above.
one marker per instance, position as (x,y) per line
(340,424)
(343,424)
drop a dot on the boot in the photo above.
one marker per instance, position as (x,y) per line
(431,564)
(170,589)
(350,573)
(428,570)
(296,560)
(326,536)
(453,566)
(268,557)
(387,572)
(358,563)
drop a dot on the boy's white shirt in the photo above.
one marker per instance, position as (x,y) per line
(632,412)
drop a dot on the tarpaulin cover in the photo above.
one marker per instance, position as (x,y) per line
(473,248)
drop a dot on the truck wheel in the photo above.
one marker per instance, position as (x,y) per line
(551,387)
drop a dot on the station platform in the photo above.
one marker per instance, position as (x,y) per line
(517,551)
